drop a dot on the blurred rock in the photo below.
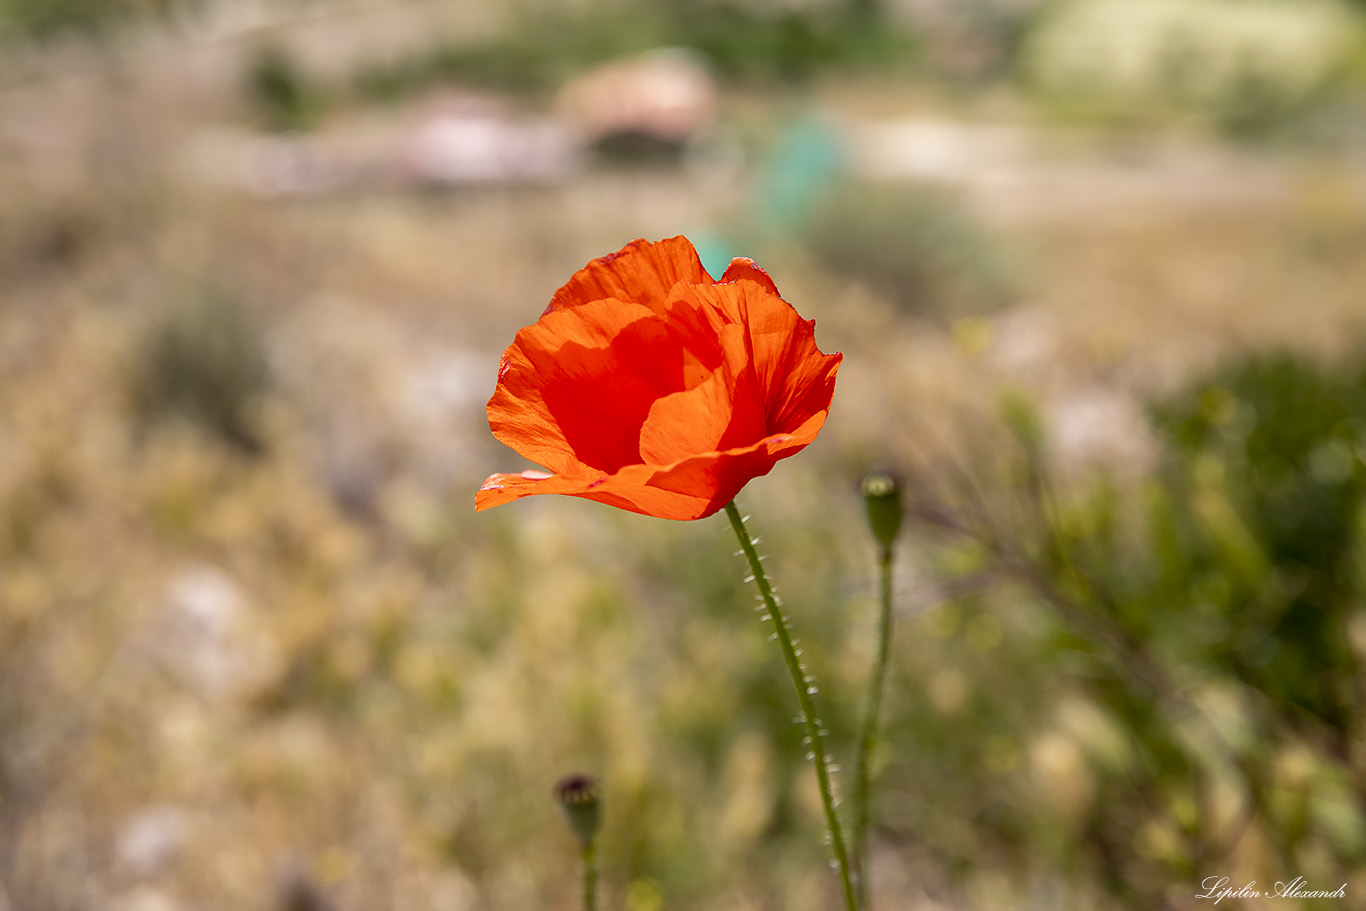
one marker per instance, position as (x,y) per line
(151,840)
(1095,426)
(466,138)
(458,138)
(667,97)
(203,635)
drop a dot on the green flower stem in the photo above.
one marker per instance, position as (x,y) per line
(868,739)
(806,689)
(590,876)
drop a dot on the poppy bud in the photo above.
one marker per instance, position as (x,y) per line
(579,797)
(882,497)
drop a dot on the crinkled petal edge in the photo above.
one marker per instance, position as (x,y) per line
(691,488)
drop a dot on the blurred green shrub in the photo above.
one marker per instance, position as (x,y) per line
(45,18)
(203,361)
(743,42)
(920,247)
(748,42)
(1168,646)
(49,18)
(279,92)
(1282,439)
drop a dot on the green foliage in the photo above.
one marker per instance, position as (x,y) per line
(748,43)
(50,18)
(743,42)
(279,92)
(203,361)
(1171,645)
(1279,438)
(919,247)
(45,18)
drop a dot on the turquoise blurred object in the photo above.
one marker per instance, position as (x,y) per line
(806,161)
(714,250)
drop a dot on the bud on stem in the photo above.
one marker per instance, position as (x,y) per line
(579,797)
(882,498)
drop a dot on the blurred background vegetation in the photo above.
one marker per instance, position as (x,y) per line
(1096,269)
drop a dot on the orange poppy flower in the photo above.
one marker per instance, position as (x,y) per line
(649,386)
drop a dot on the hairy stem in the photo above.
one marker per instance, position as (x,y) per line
(806,689)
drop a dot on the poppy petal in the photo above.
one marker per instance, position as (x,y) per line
(649,387)
(779,347)
(795,377)
(641,272)
(629,489)
(746,268)
(723,474)
(722,412)
(575,388)
(693,488)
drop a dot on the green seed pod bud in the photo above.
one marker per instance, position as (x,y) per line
(579,797)
(882,497)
